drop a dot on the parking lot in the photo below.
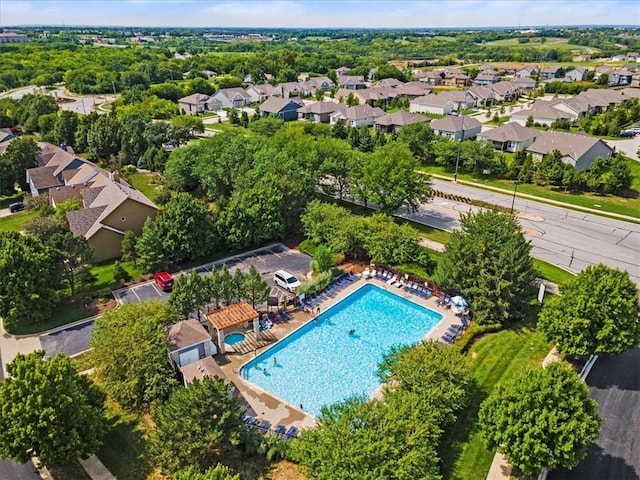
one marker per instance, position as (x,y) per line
(267,260)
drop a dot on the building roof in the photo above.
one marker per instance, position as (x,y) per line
(414,89)
(207,367)
(185,334)
(230,93)
(388,82)
(479,91)
(455,124)
(509,132)
(504,88)
(81,221)
(432,100)
(401,118)
(61,194)
(320,108)
(276,104)
(569,144)
(360,112)
(44,177)
(194,99)
(232,315)
(524,81)
(357,79)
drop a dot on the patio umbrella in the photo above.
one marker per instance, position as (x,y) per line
(459,301)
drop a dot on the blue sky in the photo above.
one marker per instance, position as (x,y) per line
(327,13)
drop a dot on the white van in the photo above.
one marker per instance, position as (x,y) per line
(286,280)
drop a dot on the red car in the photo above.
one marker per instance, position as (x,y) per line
(164,281)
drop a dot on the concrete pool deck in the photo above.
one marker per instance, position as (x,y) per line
(260,403)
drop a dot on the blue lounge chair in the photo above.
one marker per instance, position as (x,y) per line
(292,432)
(280,430)
(465,321)
(283,315)
(440,300)
(448,337)
(264,425)
(249,421)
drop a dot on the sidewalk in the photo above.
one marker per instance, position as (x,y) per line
(10,346)
(95,469)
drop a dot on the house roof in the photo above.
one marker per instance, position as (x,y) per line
(277,104)
(185,334)
(360,112)
(81,221)
(318,81)
(401,118)
(44,177)
(509,132)
(357,79)
(455,124)
(504,88)
(230,93)
(231,315)
(524,80)
(432,100)
(388,82)
(207,367)
(5,134)
(544,110)
(479,91)
(61,194)
(569,144)
(414,89)
(320,108)
(194,99)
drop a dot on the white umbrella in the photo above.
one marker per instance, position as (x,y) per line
(459,301)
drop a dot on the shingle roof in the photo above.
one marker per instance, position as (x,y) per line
(320,108)
(81,221)
(43,177)
(509,132)
(207,367)
(432,100)
(194,99)
(235,314)
(185,334)
(455,124)
(276,104)
(61,194)
(401,118)
(569,144)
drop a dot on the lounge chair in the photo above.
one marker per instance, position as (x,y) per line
(366,273)
(292,432)
(283,315)
(441,299)
(380,273)
(455,329)
(392,280)
(264,425)
(426,292)
(374,273)
(249,421)
(465,321)
(448,338)
(280,430)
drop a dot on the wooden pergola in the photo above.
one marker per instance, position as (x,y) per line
(231,316)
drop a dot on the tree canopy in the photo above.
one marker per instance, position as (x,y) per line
(130,352)
(597,313)
(488,262)
(49,411)
(542,419)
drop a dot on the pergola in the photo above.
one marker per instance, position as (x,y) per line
(236,314)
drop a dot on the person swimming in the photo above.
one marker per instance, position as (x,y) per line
(352,331)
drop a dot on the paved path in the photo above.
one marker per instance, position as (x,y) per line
(95,469)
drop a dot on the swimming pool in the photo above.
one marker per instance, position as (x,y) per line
(234,338)
(323,363)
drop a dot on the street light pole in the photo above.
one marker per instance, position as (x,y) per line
(515,189)
(455,174)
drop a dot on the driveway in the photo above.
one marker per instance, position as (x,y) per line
(628,146)
(75,339)
(614,382)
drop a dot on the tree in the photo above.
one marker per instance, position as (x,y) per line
(49,411)
(389,179)
(44,227)
(542,419)
(29,274)
(488,261)
(323,259)
(226,285)
(219,472)
(130,351)
(103,137)
(69,205)
(120,275)
(65,128)
(597,313)
(419,138)
(192,124)
(19,156)
(256,289)
(365,140)
(190,293)
(620,176)
(196,425)
(339,165)
(128,246)
(73,252)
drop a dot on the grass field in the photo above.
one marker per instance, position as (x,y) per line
(550,42)
(146,183)
(550,272)
(15,222)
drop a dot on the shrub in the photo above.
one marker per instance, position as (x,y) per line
(320,282)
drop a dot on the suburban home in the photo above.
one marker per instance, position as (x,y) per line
(461,100)
(505,91)
(510,137)
(351,82)
(342,71)
(320,112)
(457,79)
(483,96)
(527,71)
(548,73)
(620,77)
(457,128)
(543,112)
(602,99)
(232,97)
(486,66)
(413,89)
(387,82)
(524,83)
(577,74)
(196,104)
(579,150)
(432,103)
(357,116)
(486,77)
(323,83)
(55,168)
(290,89)
(260,93)
(285,108)
(188,343)
(394,122)
(433,77)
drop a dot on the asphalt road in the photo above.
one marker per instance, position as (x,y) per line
(10,470)
(614,382)
(75,339)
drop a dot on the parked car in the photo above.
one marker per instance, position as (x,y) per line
(628,133)
(164,280)
(16,207)
(284,279)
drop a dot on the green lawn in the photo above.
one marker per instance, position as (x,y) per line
(83,361)
(496,358)
(103,274)
(6,200)
(15,222)
(552,273)
(146,183)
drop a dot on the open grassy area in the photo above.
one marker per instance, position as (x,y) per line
(551,273)
(83,361)
(146,183)
(15,222)
(496,358)
(550,42)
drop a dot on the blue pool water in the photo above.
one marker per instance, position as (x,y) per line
(322,363)
(234,338)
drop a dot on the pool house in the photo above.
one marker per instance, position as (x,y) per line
(235,315)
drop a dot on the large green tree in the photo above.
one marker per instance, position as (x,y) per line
(488,262)
(19,156)
(542,419)
(49,411)
(219,472)
(44,227)
(74,253)
(419,138)
(196,425)
(256,289)
(130,352)
(30,278)
(190,294)
(597,313)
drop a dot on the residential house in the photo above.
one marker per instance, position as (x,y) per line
(462,127)
(527,71)
(483,96)
(342,71)
(620,57)
(188,342)
(543,113)
(432,103)
(388,82)
(486,77)
(290,89)
(232,97)
(285,108)
(320,112)
(505,91)
(577,74)
(510,137)
(602,99)
(579,150)
(53,165)
(455,79)
(621,77)
(195,104)
(209,74)
(549,73)
(367,95)
(461,100)
(6,135)
(351,82)
(323,83)
(259,93)
(524,83)
(433,77)
(394,122)
(486,66)
(413,89)
(357,116)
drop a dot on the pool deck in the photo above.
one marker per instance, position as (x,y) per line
(265,406)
